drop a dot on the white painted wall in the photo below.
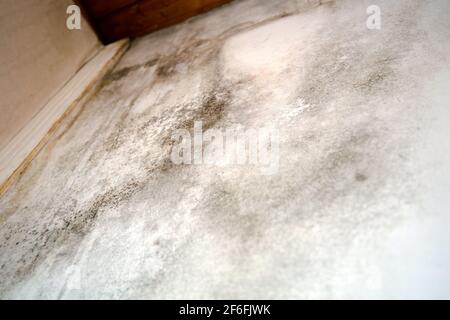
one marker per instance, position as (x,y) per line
(38,54)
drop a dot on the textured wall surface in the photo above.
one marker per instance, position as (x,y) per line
(358,207)
(38,54)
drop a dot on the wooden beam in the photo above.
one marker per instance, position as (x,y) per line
(116,19)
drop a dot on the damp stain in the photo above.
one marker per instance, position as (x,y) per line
(124,72)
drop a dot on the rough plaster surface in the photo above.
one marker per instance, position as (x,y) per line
(38,54)
(359,205)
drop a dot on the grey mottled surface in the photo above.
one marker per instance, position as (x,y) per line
(359,207)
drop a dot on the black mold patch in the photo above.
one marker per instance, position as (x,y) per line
(198,53)
(122,73)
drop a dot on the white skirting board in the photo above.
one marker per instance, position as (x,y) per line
(16,155)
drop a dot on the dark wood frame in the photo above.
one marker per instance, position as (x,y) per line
(115,19)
